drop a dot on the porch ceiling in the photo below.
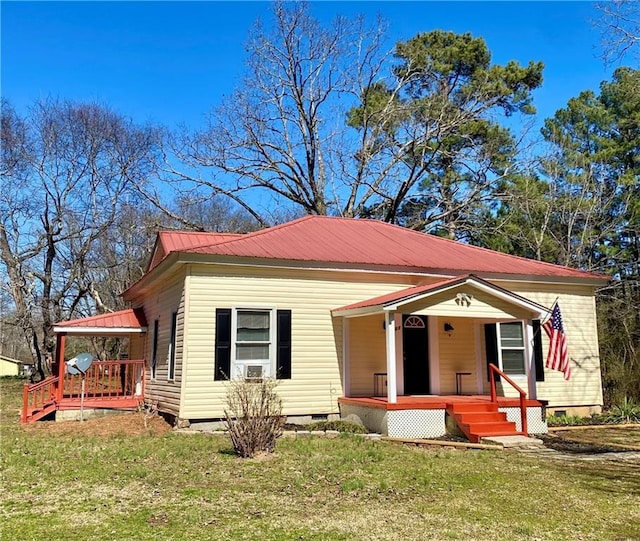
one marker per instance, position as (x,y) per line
(420,295)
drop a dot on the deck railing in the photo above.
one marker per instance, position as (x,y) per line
(493,370)
(37,396)
(107,380)
(105,384)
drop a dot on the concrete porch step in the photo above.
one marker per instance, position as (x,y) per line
(513,441)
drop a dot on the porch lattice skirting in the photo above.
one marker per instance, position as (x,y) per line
(535,419)
(416,423)
(426,423)
(398,423)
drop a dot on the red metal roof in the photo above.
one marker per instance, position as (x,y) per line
(375,243)
(124,319)
(415,291)
(172,241)
(404,294)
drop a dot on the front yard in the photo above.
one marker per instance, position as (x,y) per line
(65,484)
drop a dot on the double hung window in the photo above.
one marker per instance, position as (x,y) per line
(252,348)
(252,343)
(511,350)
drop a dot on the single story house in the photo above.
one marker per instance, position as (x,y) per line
(395,327)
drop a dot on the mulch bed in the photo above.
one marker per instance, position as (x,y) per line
(128,424)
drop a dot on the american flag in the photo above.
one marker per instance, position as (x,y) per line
(558,357)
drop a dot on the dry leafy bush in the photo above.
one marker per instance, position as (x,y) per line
(253,416)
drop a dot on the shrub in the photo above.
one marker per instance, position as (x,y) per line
(253,416)
(566,420)
(575,420)
(339,425)
(626,411)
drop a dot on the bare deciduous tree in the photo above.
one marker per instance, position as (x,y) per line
(620,28)
(66,170)
(326,121)
(281,133)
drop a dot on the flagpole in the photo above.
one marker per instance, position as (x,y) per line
(549,312)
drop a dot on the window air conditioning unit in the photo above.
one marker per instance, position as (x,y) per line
(254,372)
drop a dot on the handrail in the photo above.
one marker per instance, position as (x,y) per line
(493,369)
(37,391)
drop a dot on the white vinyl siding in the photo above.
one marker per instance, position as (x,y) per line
(166,297)
(457,353)
(317,340)
(316,337)
(579,317)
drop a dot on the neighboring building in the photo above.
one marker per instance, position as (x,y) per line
(13,367)
(342,310)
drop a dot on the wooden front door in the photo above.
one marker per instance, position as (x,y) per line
(415,345)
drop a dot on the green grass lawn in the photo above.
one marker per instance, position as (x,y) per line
(190,486)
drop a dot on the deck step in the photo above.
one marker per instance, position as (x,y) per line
(473,407)
(38,414)
(479,421)
(487,426)
(481,416)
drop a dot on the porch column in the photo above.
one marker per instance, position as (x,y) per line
(346,360)
(530,359)
(392,390)
(60,342)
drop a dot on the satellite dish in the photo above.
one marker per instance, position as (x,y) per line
(79,364)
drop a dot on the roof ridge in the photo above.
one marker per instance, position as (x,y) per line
(260,232)
(187,232)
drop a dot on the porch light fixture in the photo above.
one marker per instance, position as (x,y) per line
(448,327)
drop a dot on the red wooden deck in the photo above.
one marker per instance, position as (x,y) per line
(108,384)
(432,402)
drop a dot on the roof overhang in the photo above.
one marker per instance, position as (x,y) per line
(14,361)
(122,323)
(395,302)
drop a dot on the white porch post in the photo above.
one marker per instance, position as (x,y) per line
(346,361)
(392,391)
(529,359)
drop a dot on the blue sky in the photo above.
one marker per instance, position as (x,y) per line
(170,62)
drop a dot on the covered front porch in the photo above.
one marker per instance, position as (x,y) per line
(106,384)
(415,358)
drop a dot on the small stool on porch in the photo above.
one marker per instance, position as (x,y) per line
(380,384)
(459,381)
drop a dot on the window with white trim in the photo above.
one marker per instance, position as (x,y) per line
(252,343)
(154,350)
(511,348)
(252,350)
(171,361)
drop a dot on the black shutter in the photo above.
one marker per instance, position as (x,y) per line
(537,350)
(491,343)
(223,344)
(283,355)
